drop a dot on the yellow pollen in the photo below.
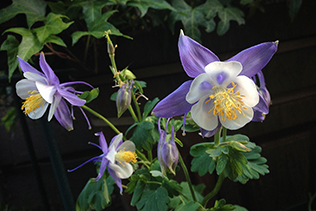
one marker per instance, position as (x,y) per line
(227,103)
(33,102)
(126,156)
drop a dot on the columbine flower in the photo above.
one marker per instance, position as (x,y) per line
(42,89)
(167,150)
(117,157)
(124,97)
(222,93)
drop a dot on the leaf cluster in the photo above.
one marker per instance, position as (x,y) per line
(236,157)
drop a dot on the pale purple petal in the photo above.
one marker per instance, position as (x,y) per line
(26,67)
(194,57)
(39,112)
(207,134)
(53,107)
(255,58)
(258,116)
(102,141)
(71,98)
(35,77)
(174,104)
(23,87)
(63,116)
(49,73)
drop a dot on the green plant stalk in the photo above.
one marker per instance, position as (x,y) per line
(187,176)
(217,187)
(224,134)
(137,107)
(101,117)
(217,137)
(133,113)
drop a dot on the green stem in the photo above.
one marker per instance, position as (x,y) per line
(224,134)
(187,176)
(215,190)
(133,113)
(217,137)
(137,107)
(150,156)
(101,117)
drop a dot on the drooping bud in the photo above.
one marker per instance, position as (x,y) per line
(167,150)
(110,46)
(124,98)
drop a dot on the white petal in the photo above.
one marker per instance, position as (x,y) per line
(46,91)
(123,171)
(23,87)
(247,88)
(116,141)
(39,112)
(201,86)
(35,77)
(127,146)
(228,70)
(202,117)
(53,107)
(240,121)
(111,155)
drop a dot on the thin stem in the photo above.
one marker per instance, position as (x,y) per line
(311,199)
(187,176)
(133,113)
(101,117)
(215,190)
(217,137)
(150,156)
(137,107)
(224,134)
(86,49)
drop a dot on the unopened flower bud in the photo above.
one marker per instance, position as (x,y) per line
(123,98)
(110,46)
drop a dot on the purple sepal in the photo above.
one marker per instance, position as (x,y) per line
(174,104)
(63,116)
(207,134)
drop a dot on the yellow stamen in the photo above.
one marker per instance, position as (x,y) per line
(126,156)
(227,103)
(33,102)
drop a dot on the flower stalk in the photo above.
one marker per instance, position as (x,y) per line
(217,187)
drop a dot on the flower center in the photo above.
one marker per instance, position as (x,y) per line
(227,102)
(126,156)
(33,102)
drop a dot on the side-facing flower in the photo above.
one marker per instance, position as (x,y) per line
(222,93)
(39,90)
(167,151)
(124,97)
(117,157)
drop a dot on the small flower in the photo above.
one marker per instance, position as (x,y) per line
(167,150)
(222,93)
(39,90)
(117,157)
(124,98)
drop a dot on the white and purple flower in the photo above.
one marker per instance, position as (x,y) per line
(221,93)
(117,157)
(39,90)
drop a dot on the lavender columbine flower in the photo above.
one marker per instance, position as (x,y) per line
(124,97)
(222,93)
(42,89)
(167,150)
(117,157)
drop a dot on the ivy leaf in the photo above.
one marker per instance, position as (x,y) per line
(33,9)
(191,18)
(11,45)
(56,40)
(142,137)
(29,44)
(92,10)
(53,25)
(144,5)
(226,15)
(154,200)
(202,162)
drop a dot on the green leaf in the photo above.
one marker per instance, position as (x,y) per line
(142,137)
(202,162)
(95,195)
(221,163)
(143,5)
(56,40)
(295,6)
(154,200)
(226,15)
(11,45)
(220,205)
(172,187)
(149,106)
(33,9)
(53,25)
(239,208)
(140,186)
(191,205)
(90,95)
(10,119)
(92,10)
(212,7)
